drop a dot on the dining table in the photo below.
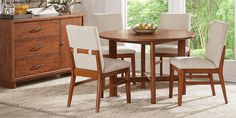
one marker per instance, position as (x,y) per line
(160,36)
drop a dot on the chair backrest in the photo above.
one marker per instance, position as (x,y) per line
(107,22)
(216,39)
(85,37)
(176,22)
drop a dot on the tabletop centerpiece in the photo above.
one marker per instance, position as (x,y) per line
(144,28)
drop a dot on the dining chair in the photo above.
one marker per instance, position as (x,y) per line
(213,62)
(87,61)
(113,21)
(176,22)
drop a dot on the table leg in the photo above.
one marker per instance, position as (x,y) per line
(181,52)
(112,79)
(181,48)
(153,73)
(143,65)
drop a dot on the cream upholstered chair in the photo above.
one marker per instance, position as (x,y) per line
(212,63)
(113,21)
(88,61)
(176,22)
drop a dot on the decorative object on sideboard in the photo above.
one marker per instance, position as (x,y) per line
(64,6)
(12,11)
(11,8)
(49,11)
(8,8)
(4,7)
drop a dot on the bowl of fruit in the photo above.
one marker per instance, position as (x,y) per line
(144,28)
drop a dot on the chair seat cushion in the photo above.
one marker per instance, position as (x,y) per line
(114,64)
(165,48)
(119,51)
(192,63)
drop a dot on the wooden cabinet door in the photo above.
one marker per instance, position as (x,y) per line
(64,46)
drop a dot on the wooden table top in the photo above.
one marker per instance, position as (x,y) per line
(159,36)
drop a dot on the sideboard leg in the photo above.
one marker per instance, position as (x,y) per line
(7,84)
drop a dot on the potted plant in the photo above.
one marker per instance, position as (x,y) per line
(64,6)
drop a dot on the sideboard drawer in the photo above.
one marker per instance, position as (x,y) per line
(37,46)
(37,64)
(36,29)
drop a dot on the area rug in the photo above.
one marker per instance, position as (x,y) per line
(51,97)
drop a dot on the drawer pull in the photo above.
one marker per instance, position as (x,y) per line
(36,48)
(35,30)
(61,44)
(35,67)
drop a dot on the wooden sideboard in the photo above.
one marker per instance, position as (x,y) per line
(34,48)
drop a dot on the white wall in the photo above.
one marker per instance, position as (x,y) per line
(0,6)
(100,5)
(88,7)
(176,6)
(113,6)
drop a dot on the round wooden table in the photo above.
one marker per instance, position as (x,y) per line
(158,37)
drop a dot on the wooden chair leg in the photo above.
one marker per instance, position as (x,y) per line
(161,66)
(127,85)
(99,91)
(212,84)
(71,90)
(103,86)
(184,86)
(180,86)
(222,82)
(171,81)
(122,74)
(133,66)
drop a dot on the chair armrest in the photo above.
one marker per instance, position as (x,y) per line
(84,51)
(89,52)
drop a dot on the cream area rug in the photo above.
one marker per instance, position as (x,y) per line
(51,97)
